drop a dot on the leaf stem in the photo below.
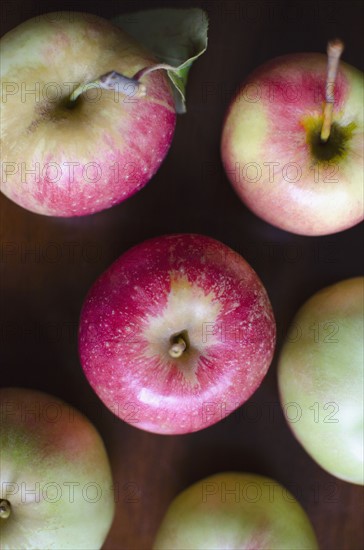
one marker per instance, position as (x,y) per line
(113,81)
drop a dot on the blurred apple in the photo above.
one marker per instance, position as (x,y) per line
(321,371)
(234,511)
(176,334)
(71,158)
(56,485)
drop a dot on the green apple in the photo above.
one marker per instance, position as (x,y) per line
(233,511)
(320,375)
(56,485)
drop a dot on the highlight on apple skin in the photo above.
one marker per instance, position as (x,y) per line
(272,150)
(56,484)
(322,371)
(235,510)
(72,158)
(176,334)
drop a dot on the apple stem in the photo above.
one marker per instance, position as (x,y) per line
(334,50)
(5,509)
(177,348)
(130,87)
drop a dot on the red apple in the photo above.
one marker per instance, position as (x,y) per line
(233,510)
(176,334)
(273,153)
(321,373)
(71,158)
(56,485)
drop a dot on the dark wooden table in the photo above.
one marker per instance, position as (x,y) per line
(48,264)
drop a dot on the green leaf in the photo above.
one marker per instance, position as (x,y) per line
(176,37)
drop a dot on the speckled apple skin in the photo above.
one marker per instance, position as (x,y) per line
(52,463)
(265,125)
(155,290)
(96,155)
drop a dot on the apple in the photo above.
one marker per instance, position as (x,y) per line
(278,156)
(56,485)
(70,146)
(176,334)
(320,374)
(234,510)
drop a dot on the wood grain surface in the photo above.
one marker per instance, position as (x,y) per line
(48,265)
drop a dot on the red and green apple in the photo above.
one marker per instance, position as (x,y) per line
(56,485)
(280,161)
(176,334)
(70,147)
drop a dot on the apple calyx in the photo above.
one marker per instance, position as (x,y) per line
(113,80)
(334,149)
(334,50)
(179,344)
(5,509)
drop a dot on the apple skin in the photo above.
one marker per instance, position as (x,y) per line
(267,122)
(154,291)
(46,441)
(322,372)
(234,510)
(100,152)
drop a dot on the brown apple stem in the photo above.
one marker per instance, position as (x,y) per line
(334,50)
(130,87)
(5,509)
(177,348)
